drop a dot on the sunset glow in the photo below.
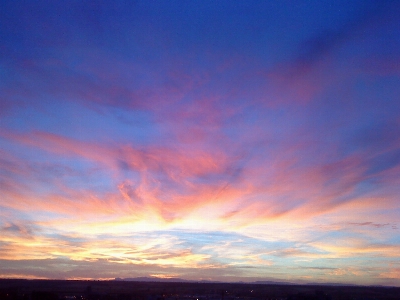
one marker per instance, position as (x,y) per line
(202,140)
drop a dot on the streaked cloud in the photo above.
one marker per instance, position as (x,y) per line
(258,143)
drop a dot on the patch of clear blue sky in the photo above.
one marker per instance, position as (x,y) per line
(241,25)
(201,25)
(72,120)
(40,172)
(197,240)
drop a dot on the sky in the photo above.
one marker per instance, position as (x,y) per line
(203,140)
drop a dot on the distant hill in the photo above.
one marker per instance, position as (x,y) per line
(272,282)
(153,279)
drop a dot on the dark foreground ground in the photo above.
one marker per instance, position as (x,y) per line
(127,290)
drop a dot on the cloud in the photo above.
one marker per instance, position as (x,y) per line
(370,224)
(198,180)
(278,139)
(357,248)
(392,274)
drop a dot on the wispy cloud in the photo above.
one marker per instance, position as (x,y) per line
(142,140)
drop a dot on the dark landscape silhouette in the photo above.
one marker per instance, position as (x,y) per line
(135,289)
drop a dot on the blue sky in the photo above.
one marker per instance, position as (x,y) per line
(216,140)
